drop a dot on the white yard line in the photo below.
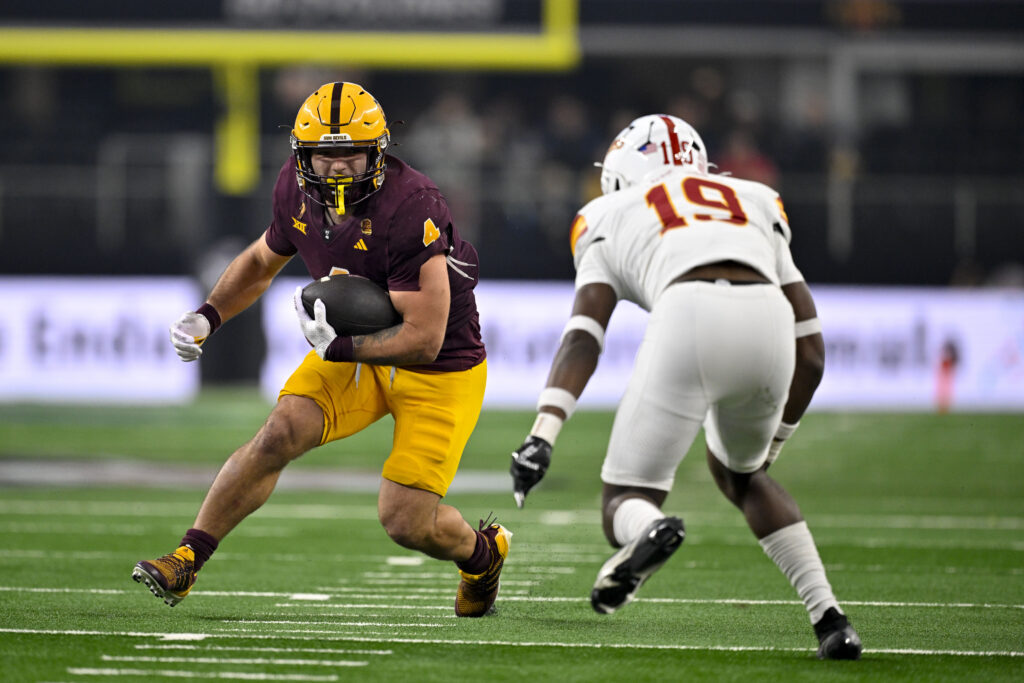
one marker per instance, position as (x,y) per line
(233,675)
(232,660)
(305,605)
(283,650)
(519,598)
(546,644)
(333,622)
(141,508)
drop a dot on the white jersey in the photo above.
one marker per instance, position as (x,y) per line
(639,239)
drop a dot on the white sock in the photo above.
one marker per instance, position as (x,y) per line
(792,549)
(632,517)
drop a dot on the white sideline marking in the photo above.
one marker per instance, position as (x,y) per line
(185,636)
(425,594)
(224,648)
(140,508)
(406,560)
(357,614)
(232,660)
(310,596)
(512,643)
(330,623)
(404,582)
(362,606)
(567,517)
(193,674)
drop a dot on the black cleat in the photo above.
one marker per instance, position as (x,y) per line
(622,575)
(836,637)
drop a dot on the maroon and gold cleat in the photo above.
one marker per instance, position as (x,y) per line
(170,577)
(477,592)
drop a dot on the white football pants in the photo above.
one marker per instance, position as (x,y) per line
(716,354)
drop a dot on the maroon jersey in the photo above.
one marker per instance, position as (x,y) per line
(386,238)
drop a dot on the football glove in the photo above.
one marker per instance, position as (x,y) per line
(781,434)
(317,330)
(529,463)
(188,334)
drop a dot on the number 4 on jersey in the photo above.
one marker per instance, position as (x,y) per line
(430,232)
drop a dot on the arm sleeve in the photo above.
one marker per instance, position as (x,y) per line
(592,269)
(276,235)
(784,264)
(420,229)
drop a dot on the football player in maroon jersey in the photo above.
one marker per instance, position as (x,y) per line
(346,206)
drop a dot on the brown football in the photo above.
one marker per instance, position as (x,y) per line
(355,305)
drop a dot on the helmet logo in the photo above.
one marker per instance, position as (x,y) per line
(648,148)
(335,137)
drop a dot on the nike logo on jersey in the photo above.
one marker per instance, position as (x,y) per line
(360,246)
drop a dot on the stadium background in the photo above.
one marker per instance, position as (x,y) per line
(138,144)
(132,146)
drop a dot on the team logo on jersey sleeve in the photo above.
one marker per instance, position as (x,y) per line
(579,226)
(782,209)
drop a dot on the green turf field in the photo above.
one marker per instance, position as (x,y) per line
(919,519)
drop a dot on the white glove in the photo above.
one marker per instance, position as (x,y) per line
(317,331)
(188,333)
(781,434)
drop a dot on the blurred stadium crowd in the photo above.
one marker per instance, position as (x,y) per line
(108,170)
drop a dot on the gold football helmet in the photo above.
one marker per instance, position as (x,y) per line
(340,115)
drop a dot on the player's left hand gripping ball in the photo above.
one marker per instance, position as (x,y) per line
(529,463)
(317,330)
(188,333)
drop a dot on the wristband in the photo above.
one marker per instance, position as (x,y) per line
(806,328)
(339,350)
(211,314)
(785,430)
(546,427)
(556,397)
(585,323)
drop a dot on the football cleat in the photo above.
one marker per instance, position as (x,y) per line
(476,593)
(836,637)
(170,577)
(628,569)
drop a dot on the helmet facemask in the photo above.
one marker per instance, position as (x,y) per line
(340,116)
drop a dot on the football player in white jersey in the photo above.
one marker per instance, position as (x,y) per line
(733,344)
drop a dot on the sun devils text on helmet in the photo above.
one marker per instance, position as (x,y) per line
(347,116)
(649,144)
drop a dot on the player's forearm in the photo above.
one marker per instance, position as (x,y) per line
(243,282)
(810,366)
(403,344)
(574,364)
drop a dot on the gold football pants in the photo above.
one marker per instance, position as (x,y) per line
(435,412)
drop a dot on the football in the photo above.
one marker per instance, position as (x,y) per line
(355,305)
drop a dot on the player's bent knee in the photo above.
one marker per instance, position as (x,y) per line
(733,485)
(293,427)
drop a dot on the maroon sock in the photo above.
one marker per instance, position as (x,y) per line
(202,544)
(480,560)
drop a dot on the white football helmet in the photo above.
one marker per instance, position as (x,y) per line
(651,143)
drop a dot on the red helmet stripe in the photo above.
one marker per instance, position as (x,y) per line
(677,158)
